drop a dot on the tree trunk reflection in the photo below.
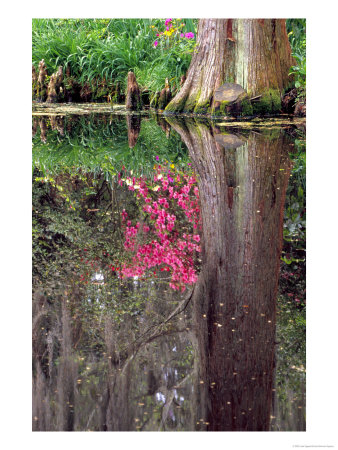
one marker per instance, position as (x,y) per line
(242,184)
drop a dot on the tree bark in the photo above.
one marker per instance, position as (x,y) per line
(254,53)
(242,185)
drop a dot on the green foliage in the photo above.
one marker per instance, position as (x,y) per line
(247,109)
(97,49)
(297,36)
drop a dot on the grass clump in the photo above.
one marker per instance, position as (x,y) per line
(296,29)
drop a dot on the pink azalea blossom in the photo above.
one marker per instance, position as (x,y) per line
(166,247)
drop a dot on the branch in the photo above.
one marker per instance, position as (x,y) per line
(147,341)
(254,98)
(184,302)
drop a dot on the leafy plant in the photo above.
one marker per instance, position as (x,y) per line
(297,37)
(106,49)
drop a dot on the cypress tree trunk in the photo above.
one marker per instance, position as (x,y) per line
(254,53)
(242,185)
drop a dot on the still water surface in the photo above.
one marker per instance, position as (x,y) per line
(156,253)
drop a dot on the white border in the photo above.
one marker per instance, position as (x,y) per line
(16,222)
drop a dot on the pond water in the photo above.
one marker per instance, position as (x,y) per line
(158,299)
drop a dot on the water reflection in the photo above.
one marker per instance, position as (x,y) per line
(115,347)
(134,126)
(242,184)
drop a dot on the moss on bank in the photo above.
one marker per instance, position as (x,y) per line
(176,106)
(247,109)
(202,108)
(269,103)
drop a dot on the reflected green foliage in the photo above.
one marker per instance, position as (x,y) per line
(99,144)
(293,269)
(294,225)
(291,323)
(291,367)
(72,215)
(292,343)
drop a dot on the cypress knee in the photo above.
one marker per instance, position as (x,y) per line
(58,84)
(34,82)
(42,88)
(69,86)
(133,101)
(165,95)
(52,97)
